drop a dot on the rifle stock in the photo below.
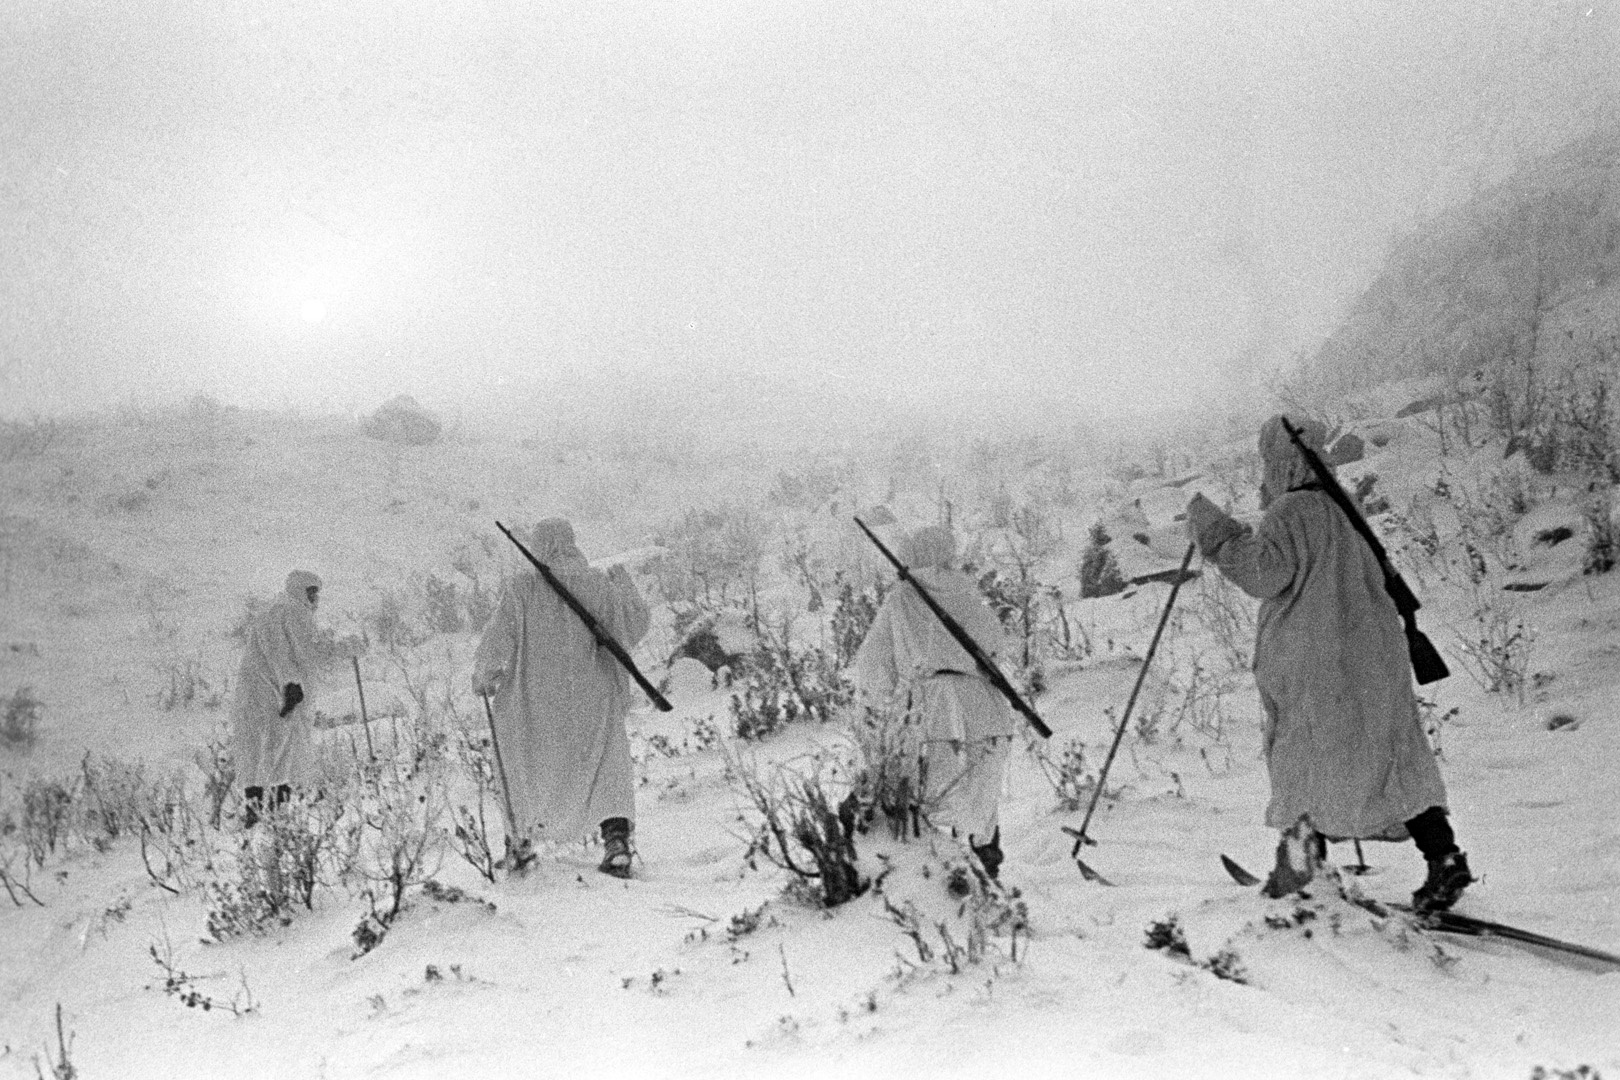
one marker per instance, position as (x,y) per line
(1405,602)
(985,665)
(603,638)
(1427,664)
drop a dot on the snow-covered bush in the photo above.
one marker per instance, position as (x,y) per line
(471,831)
(781,683)
(1228,615)
(184,682)
(177,983)
(1434,721)
(292,849)
(443,607)
(218,769)
(17,880)
(400,838)
(1072,779)
(1199,697)
(1226,964)
(1579,1072)
(805,824)
(1495,648)
(1007,561)
(1368,499)
(1413,541)
(114,797)
(449,609)
(980,912)
(1475,557)
(19,718)
(1602,545)
(22,440)
(760,702)
(252,608)
(62,1068)
(250,904)
(1561,416)
(852,616)
(394,622)
(1167,936)
(47,816)
(712,554)
(888,740)
(810,486)
(402,846)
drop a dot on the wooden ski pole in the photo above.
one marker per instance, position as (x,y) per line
(364,722)
(500,774)
(1181,575)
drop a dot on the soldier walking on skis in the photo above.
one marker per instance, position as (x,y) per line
(1343,741)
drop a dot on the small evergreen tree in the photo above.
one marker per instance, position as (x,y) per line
(1099,573)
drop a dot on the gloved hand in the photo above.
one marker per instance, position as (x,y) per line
(291,695)
(1200,512)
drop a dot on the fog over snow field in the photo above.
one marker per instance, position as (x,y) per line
(132,540)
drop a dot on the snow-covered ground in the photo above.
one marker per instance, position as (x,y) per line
(129,545)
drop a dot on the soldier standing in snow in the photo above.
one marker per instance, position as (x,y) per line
(272,735)
(560,700)
(1343,741)
(967,727)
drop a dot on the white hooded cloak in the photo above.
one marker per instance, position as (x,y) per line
(560,699)
(282,647)
(967,724)
(1343,740)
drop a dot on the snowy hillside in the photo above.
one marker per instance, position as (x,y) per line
(129,545)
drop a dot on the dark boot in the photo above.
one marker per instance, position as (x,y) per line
(616,841)
(990,855)
(1448,877)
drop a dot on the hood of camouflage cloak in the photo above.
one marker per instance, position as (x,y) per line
(932,546)
(1284,466)
(300,580)
(553,540)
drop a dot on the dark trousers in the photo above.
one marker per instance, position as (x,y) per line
(1431,832)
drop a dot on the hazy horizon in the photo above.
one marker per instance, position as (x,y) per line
(956,207)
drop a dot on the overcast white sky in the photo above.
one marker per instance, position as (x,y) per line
(964,202)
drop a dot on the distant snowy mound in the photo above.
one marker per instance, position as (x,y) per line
(404,422)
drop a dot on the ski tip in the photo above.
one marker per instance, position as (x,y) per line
(1239,875)
(1091,875)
